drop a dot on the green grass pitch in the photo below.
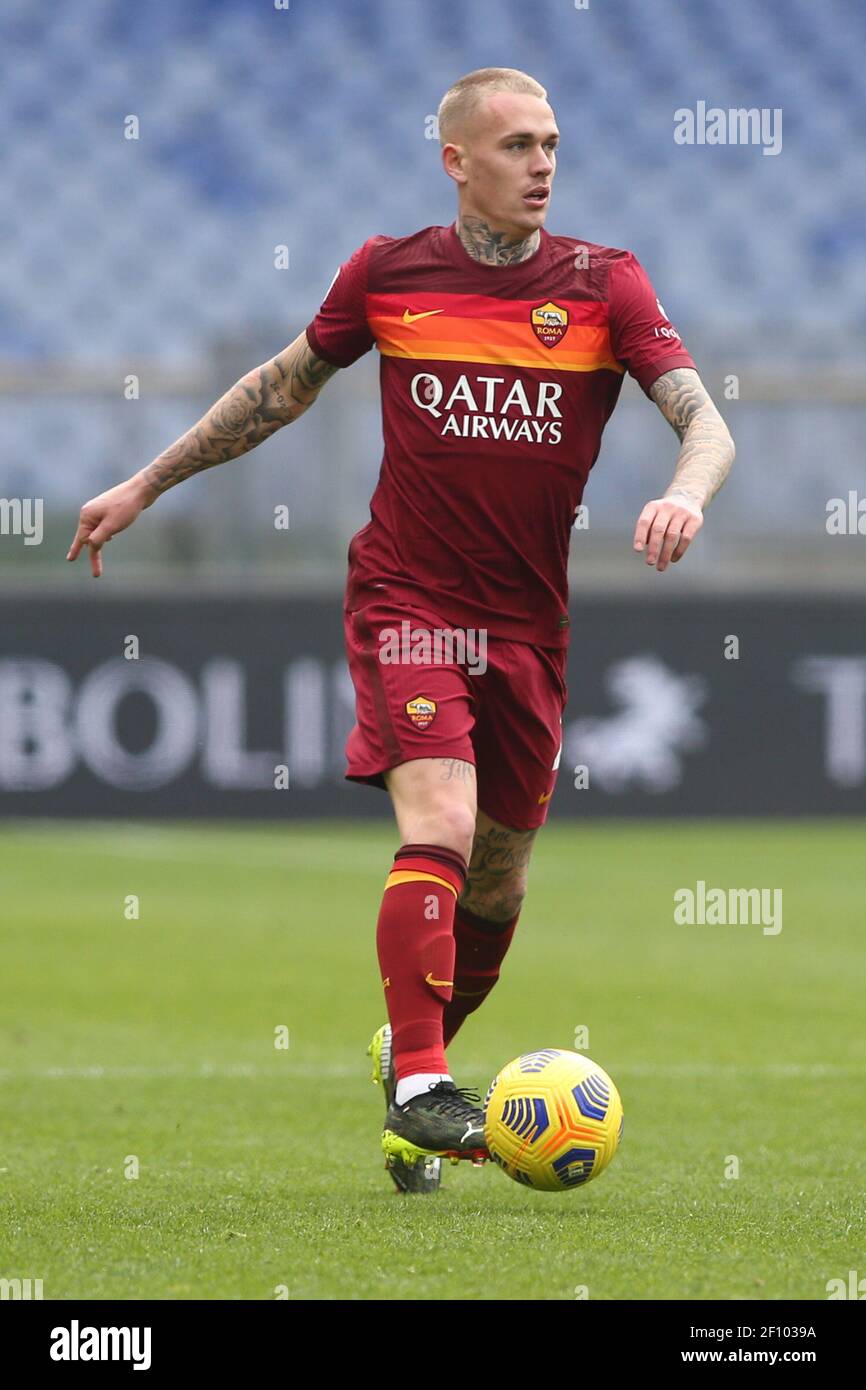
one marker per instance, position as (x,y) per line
(151,1041)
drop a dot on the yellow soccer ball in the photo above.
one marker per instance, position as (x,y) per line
(552,1120)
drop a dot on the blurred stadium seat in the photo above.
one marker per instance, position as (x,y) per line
(306,127)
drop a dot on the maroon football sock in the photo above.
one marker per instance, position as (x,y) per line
(415,944)
(481,946)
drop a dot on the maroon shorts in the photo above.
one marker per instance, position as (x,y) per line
(506,719)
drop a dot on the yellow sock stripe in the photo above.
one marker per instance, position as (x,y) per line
(413,876)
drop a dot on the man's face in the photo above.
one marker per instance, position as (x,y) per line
(506,151)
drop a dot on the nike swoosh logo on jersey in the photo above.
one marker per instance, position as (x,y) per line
(409,317)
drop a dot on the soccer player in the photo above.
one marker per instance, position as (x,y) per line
(503,350)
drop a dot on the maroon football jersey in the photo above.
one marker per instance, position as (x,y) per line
(497,382)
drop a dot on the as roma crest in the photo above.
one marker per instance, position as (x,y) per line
(549,323)
(421,711)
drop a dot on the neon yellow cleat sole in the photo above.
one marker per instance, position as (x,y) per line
(414,1177)
(380,1052)
(394,1146)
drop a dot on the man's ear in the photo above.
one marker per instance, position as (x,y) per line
(453,157)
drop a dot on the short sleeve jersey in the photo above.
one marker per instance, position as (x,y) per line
(496,385)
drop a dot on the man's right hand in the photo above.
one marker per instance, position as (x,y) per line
(103,516)
(258,405)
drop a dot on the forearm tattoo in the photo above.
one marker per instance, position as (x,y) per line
(707,450)
(251,411)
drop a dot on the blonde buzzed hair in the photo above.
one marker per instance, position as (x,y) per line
(461,101)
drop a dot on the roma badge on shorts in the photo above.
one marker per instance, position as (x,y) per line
(549,323)
(421,711)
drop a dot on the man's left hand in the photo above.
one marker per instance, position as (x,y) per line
(666,527)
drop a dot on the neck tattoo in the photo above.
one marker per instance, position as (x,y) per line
(494,248)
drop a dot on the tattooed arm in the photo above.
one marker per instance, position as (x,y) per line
(707,448)
(270,396)
(254,408)
(667,525)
